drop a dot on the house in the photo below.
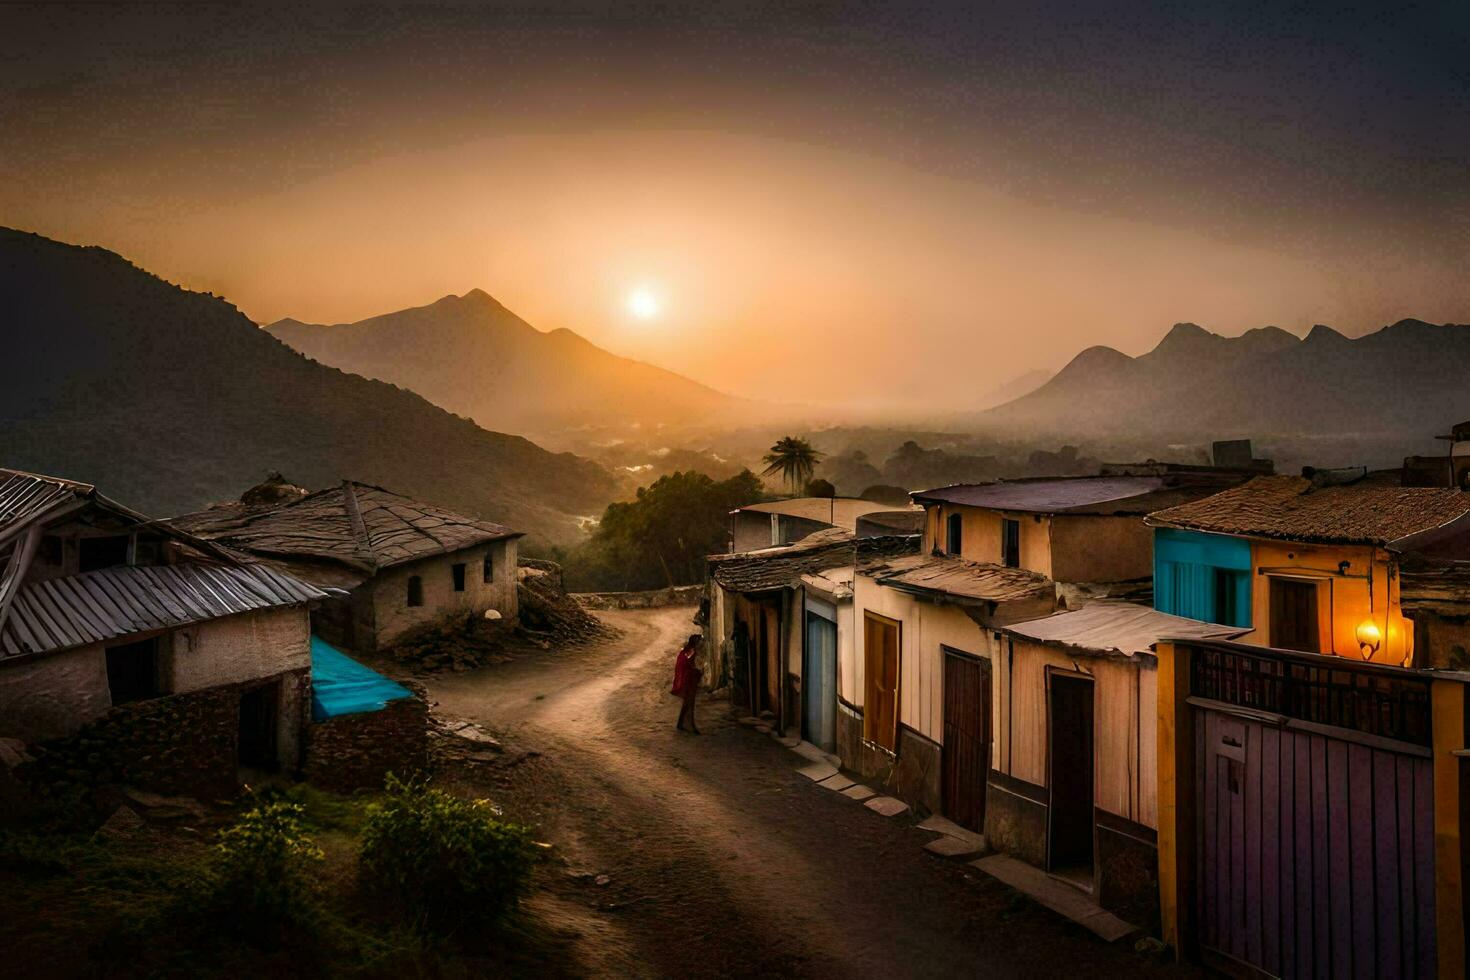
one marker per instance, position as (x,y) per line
(1072,786)
(992,555)
(1312,771)
(139,654)
(781,522)
(780,625)
(393,563)
(1306,563)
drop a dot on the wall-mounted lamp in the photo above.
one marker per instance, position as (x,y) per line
(1369,638)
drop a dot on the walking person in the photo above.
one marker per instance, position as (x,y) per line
(686,680)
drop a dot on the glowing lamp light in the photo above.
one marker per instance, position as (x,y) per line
(1369,637)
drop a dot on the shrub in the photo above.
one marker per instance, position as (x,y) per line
(260,881)
(445,862)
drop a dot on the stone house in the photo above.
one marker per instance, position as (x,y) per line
(136,653)
(388,562)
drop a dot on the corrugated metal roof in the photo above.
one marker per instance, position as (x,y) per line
(1121,628)
(1290,508)
(960,578)
(355,524)
(93,607)
(1044,496)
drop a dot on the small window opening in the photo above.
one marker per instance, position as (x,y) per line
(1010,543)
(415,590)
(458,577)
(132,671)
(955,539)
(489,568)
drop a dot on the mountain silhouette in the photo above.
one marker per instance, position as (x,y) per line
(1399,385)
(170,400)
(471,355)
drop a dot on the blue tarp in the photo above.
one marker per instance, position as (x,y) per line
(342,686)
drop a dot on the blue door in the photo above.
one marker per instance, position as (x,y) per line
(819,683)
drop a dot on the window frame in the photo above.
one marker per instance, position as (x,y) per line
(954,534)
(1010,531)
(459,575)
(488,569)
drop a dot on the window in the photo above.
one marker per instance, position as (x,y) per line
(1294,615)
(955,536)
(458,571)
(132,671)
(415,591)
(489,568)
(95,553)
(1231,593)
(1010,543)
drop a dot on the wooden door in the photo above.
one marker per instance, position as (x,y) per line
(1294,623)
(967,728)
(819,683)
(1316,854)
(772,620)
(1070,776)
(880,681)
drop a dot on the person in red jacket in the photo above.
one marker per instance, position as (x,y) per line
(686,680)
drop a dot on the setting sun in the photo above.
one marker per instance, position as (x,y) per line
(643,304)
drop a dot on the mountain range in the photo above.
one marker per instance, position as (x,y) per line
(472,356)
(1400,385)
(170,400)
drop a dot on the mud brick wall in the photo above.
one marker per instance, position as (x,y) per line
(680,595)
(182,744)
(353,752)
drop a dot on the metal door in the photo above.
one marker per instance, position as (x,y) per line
(966,751)
(819,683)
(1316,853)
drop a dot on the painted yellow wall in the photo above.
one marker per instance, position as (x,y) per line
(925,630)
(1343,601)
(981,535)
(1097,548)
(1124,720)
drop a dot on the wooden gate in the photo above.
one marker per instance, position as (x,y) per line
(966,752)
(819,683)
(1315,842)
(880,680)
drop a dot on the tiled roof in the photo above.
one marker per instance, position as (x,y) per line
(958,577)
(1291,509)
(354,524)
(781,568)
(93,607)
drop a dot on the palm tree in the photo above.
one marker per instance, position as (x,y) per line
(794,459)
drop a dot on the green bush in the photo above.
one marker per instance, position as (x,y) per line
(445,862)
(260,882)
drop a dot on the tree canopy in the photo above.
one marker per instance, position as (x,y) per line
(661,537)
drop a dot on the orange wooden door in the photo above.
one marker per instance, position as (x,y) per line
(880,704)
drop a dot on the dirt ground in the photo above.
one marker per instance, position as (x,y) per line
(683,855)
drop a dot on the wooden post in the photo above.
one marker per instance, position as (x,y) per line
(1448,712)
(1176,798)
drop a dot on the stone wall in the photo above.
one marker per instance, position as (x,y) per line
(913,774)
(680,595)
(179,744)
(1015,818)
(392,615)
(1128,871)
(356,751)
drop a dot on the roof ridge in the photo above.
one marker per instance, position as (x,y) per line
(363,543)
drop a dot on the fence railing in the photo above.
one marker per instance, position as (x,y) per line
(1321,689)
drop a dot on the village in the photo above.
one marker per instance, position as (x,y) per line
(1197,715)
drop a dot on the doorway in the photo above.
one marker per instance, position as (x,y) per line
(880,681)
(256,748)
(1069,836)
(819,683)
(966,752)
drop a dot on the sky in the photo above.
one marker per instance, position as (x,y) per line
(880,205)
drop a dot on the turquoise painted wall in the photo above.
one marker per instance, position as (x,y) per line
(1202,576)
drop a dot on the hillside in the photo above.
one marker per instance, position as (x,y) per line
(1398,387)
(474,357)
(170,400)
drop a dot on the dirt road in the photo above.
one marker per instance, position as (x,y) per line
(719,859)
